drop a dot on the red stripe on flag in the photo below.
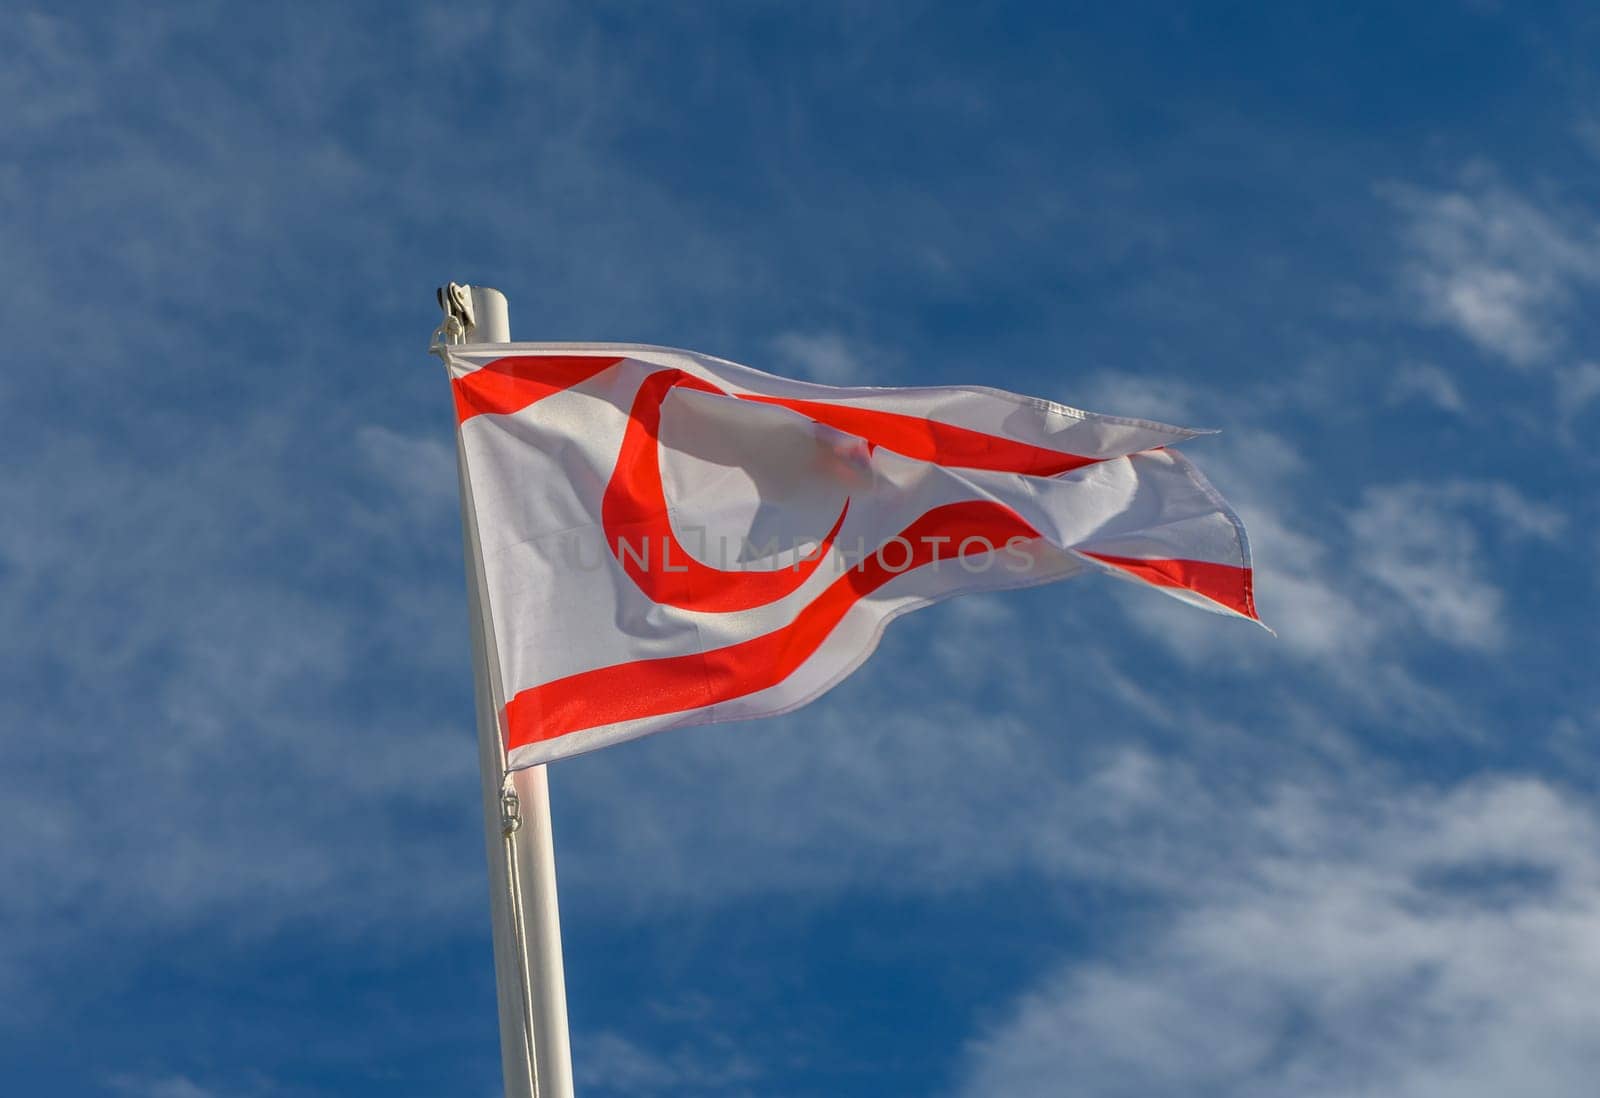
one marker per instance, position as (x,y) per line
(930,440)
(1225,584)
(511,384)
(671,684)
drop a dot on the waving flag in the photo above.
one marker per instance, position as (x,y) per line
(666,539)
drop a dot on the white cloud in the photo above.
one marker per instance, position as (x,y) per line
(1344,587)
(167,1086)
(1577,387)
(1428,557)
(1414,946)
(1351,589)
(900,788)
(146,586)
(1419,542)
(198,701)
(610,1063)
(1302,584)
(1427,384)
(43,83)
(422,471)
(1498,268)
(1302,596)
(1138,396)
(827,357)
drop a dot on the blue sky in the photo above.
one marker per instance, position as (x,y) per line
(1068,841)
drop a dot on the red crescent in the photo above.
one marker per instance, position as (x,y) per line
(634,514)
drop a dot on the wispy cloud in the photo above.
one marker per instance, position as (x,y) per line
(827,357)
(196,685)
(1418,541)
(1410,945)
(161,1086)
(232,632)
(1501,269)
(1427,384)
(614,1065)
(1577,387)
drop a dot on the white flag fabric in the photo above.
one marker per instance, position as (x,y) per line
(664,538)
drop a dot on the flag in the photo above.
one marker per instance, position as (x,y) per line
(663,538)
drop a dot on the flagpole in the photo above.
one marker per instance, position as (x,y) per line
(529,980)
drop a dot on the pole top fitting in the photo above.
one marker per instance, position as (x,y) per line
(471,313)
(456,302)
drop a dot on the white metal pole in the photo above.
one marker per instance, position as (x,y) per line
(531,985)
